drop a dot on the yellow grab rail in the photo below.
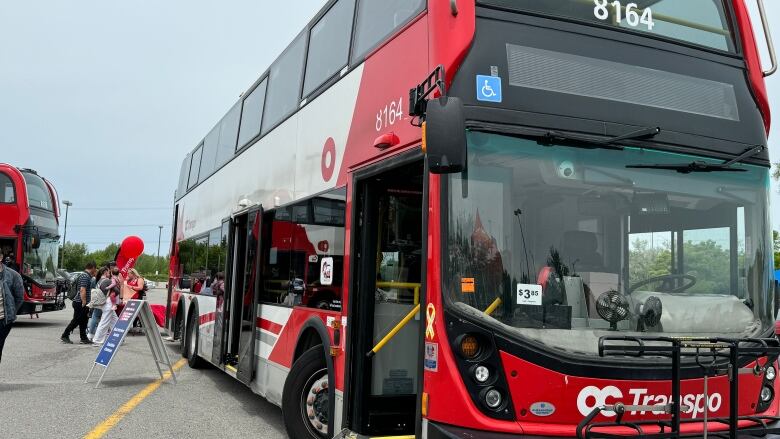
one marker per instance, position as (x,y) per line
(496,303)
(403,285)
(393,331)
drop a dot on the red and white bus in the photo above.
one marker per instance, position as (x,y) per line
(29,236)
(489,219)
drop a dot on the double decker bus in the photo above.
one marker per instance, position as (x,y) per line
(29,236)
(533,218)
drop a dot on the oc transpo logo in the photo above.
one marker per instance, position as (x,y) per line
(591,397)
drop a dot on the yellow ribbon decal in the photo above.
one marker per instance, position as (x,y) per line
(430,314)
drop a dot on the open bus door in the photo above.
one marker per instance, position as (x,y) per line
(241,294)
(385,378)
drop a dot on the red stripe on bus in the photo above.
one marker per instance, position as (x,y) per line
(206,318)
(269,326)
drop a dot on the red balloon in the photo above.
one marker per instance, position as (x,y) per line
(129,250)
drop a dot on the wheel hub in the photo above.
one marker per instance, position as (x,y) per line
(316,404)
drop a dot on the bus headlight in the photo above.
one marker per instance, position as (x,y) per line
(770,373)
(481,374)
(766,394)
(493,398)
(469,346)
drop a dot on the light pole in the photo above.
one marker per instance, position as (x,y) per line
(159,238)
(65,233)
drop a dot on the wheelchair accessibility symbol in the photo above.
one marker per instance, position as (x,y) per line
(488,88)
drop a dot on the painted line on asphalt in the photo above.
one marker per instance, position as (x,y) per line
(104,427)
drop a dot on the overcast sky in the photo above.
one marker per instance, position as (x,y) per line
(105,98)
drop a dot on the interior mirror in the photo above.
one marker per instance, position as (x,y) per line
(444,135)
(35,241)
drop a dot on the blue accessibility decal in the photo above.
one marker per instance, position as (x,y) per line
(488,88)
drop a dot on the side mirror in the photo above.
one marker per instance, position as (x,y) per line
(35,241)
(444,135)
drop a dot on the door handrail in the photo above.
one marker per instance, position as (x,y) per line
(768,36)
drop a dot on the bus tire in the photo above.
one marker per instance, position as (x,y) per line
(305,396)
(179,330)
(192,339)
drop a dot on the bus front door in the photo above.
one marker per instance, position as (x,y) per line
(388,263)
(242,303)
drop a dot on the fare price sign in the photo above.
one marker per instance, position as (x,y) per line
(114,339)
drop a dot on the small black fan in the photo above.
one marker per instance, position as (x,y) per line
(612,307)
(649,313)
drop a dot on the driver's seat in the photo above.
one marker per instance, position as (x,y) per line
(580,251)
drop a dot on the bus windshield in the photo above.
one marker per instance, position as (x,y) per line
(701,22)
(37,192)
(572,244)
(40,263)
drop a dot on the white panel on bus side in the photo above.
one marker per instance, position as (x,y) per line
(207,306)
(263,174)
(270,376)
(316,126)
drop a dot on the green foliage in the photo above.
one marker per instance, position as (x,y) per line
(776,246)
(76,256)
(707,261)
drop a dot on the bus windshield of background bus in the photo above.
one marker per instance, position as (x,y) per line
(701,22)
(40,263)
(37,192)
(575,245)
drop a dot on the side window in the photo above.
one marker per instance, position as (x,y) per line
(329,45)
(228,133)
(223,247)
(285,83)
(194,168)
(199,264)
(252,114)
(378,19)
(7,194)
(303,245)
(216,259)
(183,176)
(186,261)
(276,242)
(208,161)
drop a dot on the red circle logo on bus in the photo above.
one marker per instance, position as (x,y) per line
(328,162)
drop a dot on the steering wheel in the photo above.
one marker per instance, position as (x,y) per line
(667,279)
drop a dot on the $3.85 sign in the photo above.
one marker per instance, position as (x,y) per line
(529,294)
(630,13)
(390,114)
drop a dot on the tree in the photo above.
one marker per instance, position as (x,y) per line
(776,243)
(74,256)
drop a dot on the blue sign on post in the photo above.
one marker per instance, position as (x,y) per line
(110,346)
(488,88)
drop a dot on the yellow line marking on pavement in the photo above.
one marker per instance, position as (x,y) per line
(101,429)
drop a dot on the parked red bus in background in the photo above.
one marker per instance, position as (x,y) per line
(29,236)
(541,219)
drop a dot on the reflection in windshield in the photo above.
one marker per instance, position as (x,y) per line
(40,263)
(574,244)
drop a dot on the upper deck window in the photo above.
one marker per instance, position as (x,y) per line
(701,22)
(7,194)
(285,84)
(378,19)
(252,114)
(329,45)
(195,168)
(37,192)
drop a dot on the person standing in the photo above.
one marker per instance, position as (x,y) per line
(11,299)
(108,316)
(80,310)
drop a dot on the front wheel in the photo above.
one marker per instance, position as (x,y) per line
(305,402)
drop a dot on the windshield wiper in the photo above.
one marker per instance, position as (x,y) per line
(702,166)
(551,138)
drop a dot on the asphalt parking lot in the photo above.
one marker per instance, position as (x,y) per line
(43,395)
